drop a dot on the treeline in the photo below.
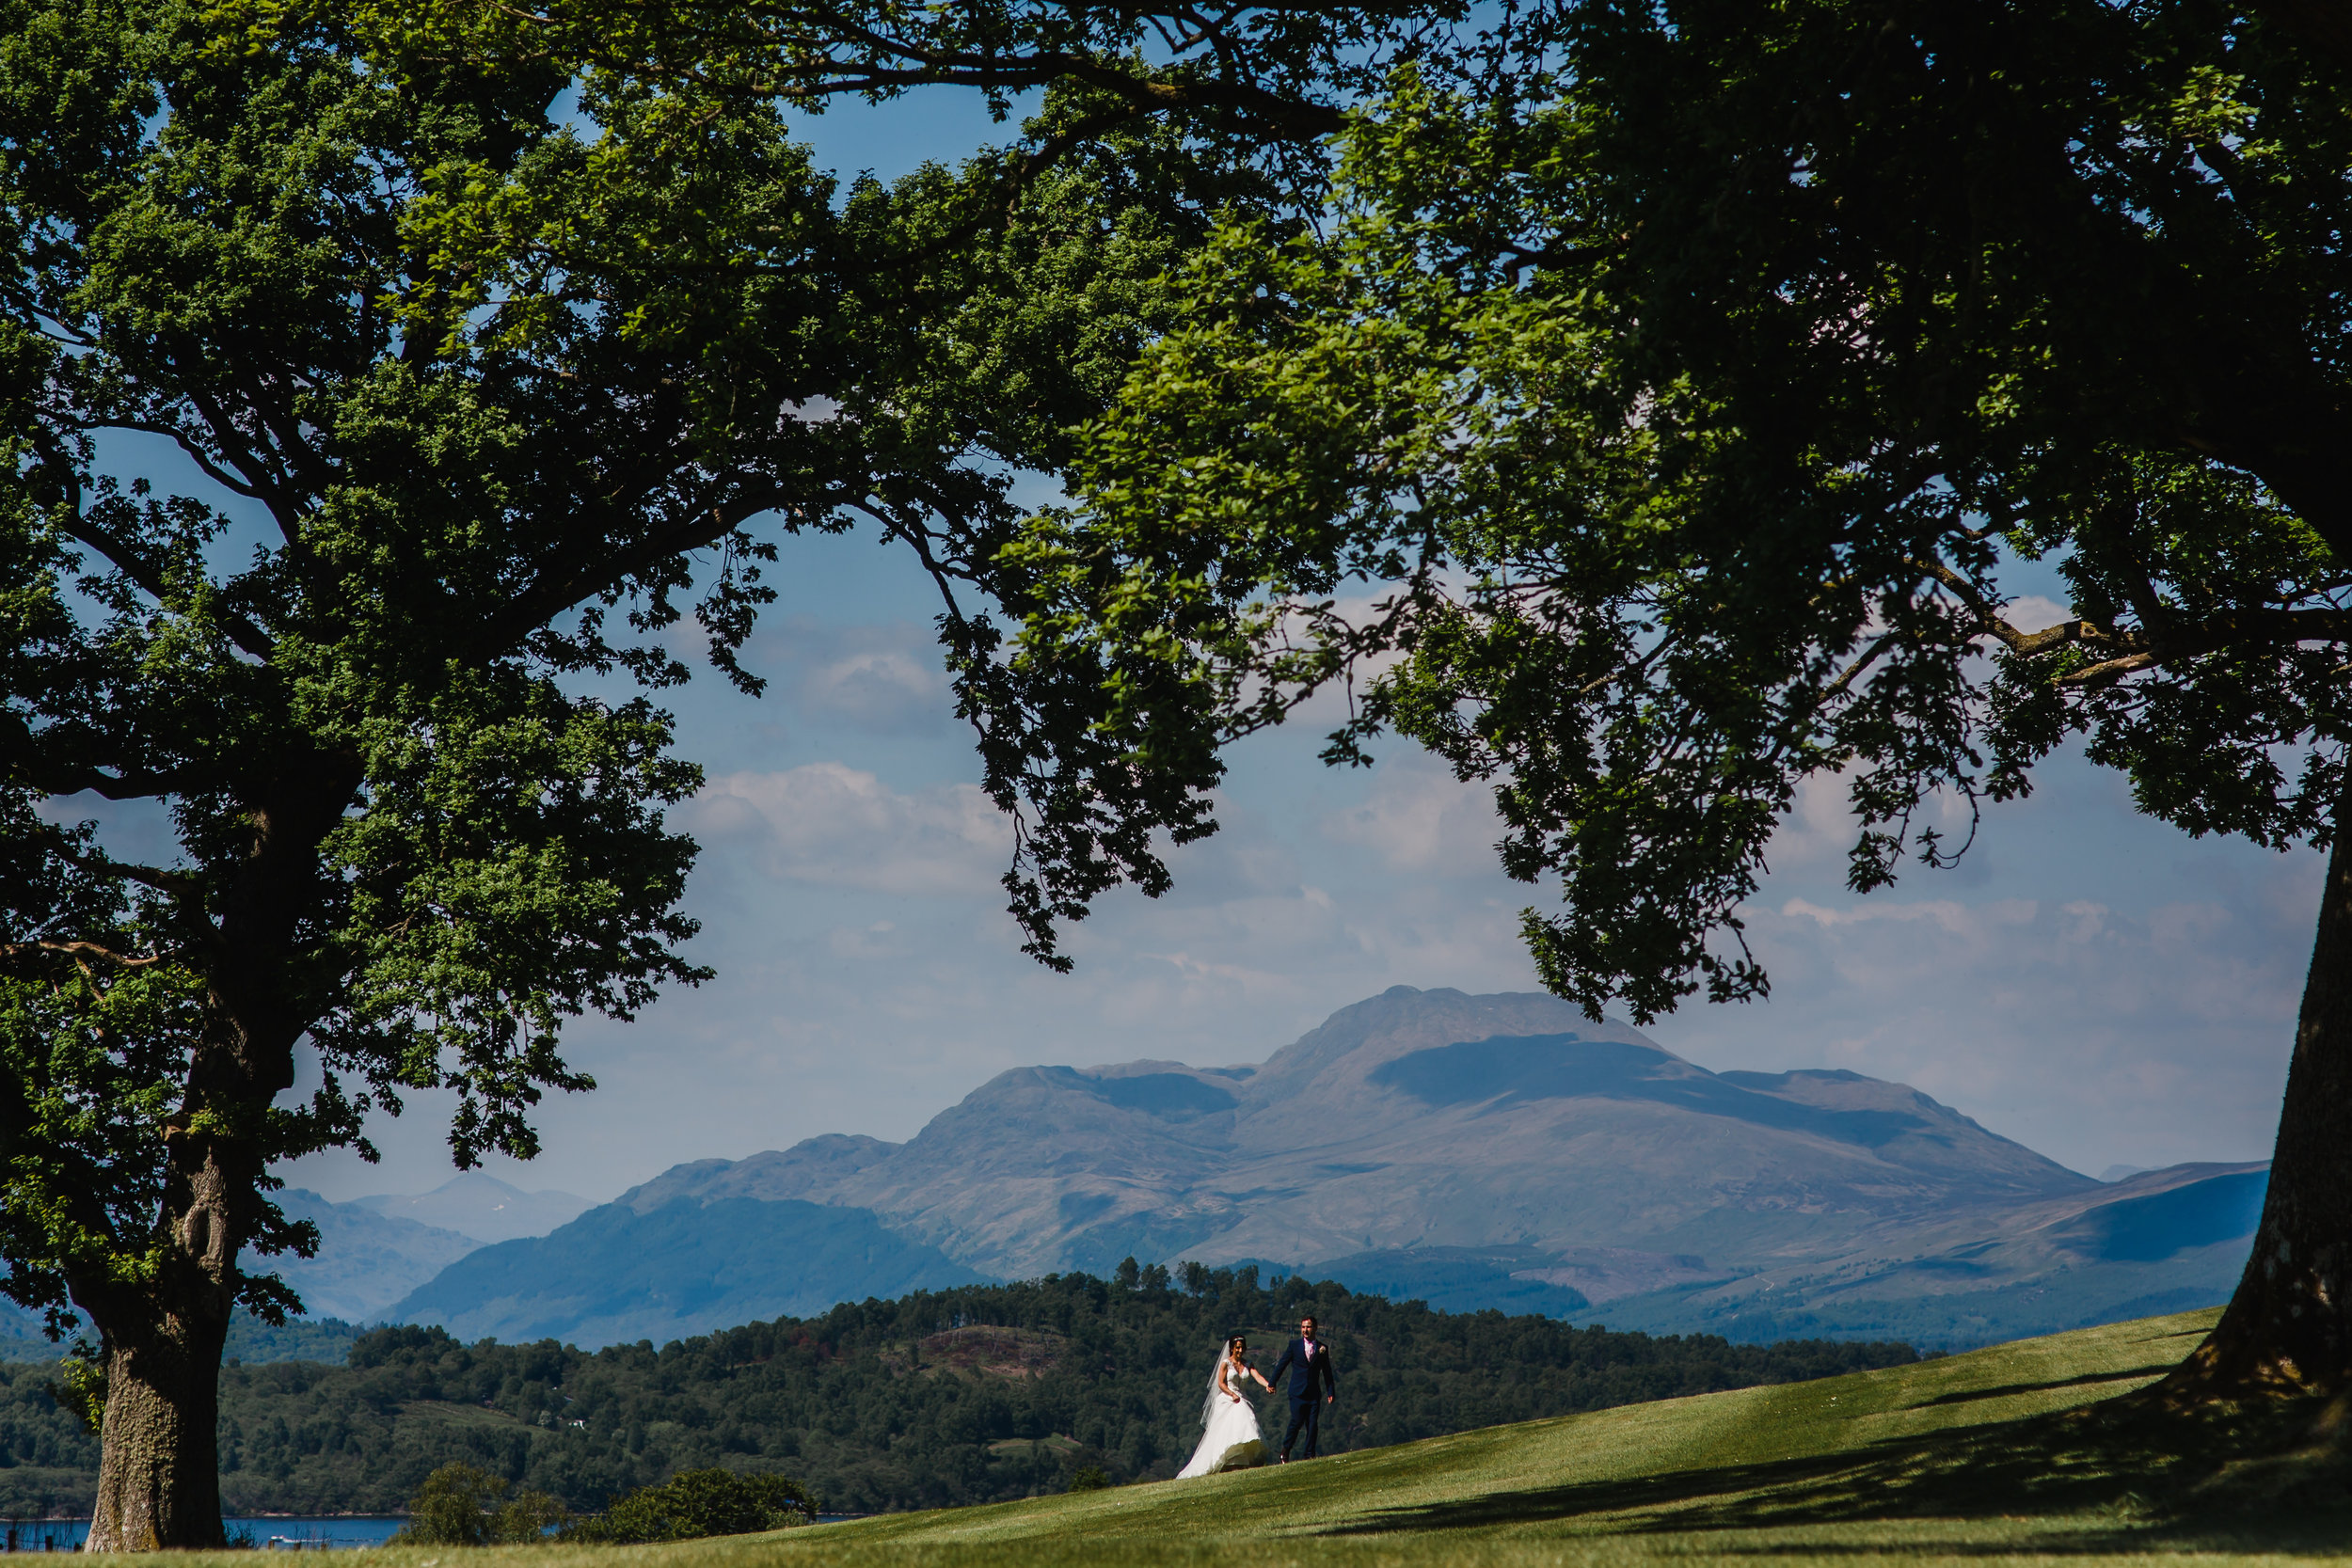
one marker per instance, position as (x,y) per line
(938,1398)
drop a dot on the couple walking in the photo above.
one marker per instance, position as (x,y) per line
(1231,1421)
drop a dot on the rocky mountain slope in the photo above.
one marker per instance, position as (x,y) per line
(1475,1151)
(1414,1118)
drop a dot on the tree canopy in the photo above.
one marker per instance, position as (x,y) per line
(1656,435)
(501,362)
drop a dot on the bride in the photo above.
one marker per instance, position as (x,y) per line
(1231,1419)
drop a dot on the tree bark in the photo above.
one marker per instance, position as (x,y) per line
(2289,1327)
(159,1480)
(159,1468)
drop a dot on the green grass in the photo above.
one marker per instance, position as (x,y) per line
(2001,1455)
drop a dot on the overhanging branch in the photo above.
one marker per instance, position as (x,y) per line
(564,586)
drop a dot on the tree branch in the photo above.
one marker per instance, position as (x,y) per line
(2097,676)
(15,948)
(2176,635)
(551,594)
(140,571)
(55,778)
(179,884)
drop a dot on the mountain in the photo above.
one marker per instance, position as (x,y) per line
(477,1204)
(1417,1118)
(687,1267)
(366,1260)
(1473,1152)
(2163,1240)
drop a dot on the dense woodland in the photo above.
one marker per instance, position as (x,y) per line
(937,1399)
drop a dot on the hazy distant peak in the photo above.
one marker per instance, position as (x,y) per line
(477,1204)
(1516,1069)
(367,1259)
(301,1203)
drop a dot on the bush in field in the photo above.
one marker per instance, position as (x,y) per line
(697,1504)
(460,1505)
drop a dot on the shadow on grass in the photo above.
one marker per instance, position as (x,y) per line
(2128,1471)
(2011,1391)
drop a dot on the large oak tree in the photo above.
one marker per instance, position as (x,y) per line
(1683,412)
(496,394)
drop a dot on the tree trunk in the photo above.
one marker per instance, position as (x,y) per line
(159,1467)
(159,1480)
(2289,1327)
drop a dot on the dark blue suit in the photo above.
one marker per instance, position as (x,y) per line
(1312,1381)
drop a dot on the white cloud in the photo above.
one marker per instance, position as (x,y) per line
(840,827)
(879,689)
(2035,611)
(1420,817)
(884,677)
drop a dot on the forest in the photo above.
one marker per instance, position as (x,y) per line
(933,1400)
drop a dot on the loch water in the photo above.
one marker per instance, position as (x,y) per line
(271,1534)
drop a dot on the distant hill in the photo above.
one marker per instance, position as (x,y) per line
(2163,1240)
(616,1274)
(366,1260)
(1474,1151)
(477,1204)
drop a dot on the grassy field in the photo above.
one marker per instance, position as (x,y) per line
(2004,1454)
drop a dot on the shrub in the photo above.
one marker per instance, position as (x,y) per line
(1089,1478)
(459,1506)
(695,1503)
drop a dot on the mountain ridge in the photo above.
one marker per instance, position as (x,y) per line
(1497,1150)
(1355,1135)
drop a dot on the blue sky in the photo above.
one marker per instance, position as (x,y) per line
(2089,982)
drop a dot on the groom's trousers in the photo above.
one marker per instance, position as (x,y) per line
(1306,1414)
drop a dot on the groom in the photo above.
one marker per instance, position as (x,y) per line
(1313,1385)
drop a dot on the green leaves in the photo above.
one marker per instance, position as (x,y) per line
(1649,438)
(487,408)
(694,1504)
(460,1505)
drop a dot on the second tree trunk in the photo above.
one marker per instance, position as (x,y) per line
(2289,1327)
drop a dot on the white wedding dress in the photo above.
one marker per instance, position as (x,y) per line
(1228,1424)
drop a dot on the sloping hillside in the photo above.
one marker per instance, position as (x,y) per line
(2162,1240)
(366,1260)
(2003,1453)
(1633,1468)
(2023,1454)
